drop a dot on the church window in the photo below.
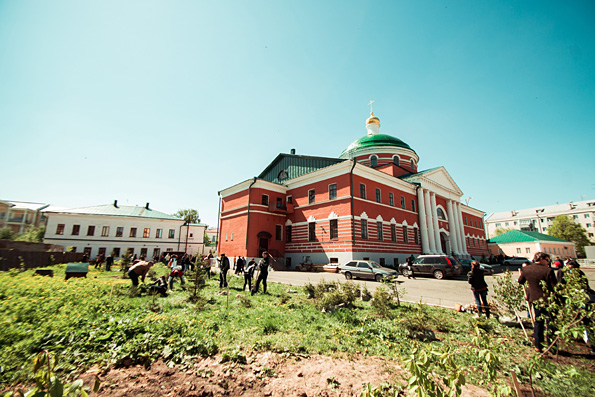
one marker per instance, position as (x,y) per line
(288,234)
(413,205)
(265,199)
(278,232)
(362,190)
(334,229)
(416,235)
(393,233)
(312,231)
(440,214)
(379,230)
(412,164)
(378,197)
(332,191)
(396,160)
(403,202)
(311,196)
(391,199)
(405,234)
(282,175)
(364,229)
(374,161)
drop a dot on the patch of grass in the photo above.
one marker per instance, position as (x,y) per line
(93,321)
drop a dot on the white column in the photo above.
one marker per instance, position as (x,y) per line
(454,237)
(460,234)
(436,225)
(430,223)
(463,239)
(421,208)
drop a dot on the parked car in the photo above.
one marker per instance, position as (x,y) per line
(466,263)
(439,266)
(515,260)
(367,269)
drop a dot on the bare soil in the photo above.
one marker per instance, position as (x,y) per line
(265,374)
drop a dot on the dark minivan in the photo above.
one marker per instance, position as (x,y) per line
(439,266)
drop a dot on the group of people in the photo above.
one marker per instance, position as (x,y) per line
(541,272)
(248,270)
(540,279)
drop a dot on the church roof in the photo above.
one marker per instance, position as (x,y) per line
(288,166)
(521,236)
(375,141)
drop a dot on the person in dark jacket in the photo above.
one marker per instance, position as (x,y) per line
(224,268)
(479,288)
(109,261)
(533,275)
(249,274)
(263,268)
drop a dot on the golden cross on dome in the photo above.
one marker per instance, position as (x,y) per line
(371,109)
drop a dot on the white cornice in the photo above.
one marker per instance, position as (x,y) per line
(382,177)
(260,184)
(331,171)
(378,150)
(472,211)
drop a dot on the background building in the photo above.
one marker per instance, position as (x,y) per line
(18,215)
(369,203)
(526,244)
(117,228)
(539,219)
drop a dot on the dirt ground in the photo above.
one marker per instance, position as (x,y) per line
(265,374)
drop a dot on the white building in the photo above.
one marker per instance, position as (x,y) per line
(116,228)
(539,219)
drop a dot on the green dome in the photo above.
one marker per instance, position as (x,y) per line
(375,141)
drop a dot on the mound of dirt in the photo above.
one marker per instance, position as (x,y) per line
(264,374)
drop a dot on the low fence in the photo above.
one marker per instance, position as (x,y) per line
(33,255)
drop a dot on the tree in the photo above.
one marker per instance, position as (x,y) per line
(206,239)
(33,234)
(189,215)
(6,233)
(501,230)
(565,228)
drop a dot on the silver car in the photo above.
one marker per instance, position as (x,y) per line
(515,260)
(367,269)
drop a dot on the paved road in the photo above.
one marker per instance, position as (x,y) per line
(446,292)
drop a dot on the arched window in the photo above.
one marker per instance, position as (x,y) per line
(396,160)
(412,164)
(441,215)
(374,161)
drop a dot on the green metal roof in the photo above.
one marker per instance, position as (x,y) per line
(289,166)
(374,141)
(120,210)
(521,236)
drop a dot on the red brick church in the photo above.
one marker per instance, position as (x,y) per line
(371,202)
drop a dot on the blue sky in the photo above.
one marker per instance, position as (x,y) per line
(169,102)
